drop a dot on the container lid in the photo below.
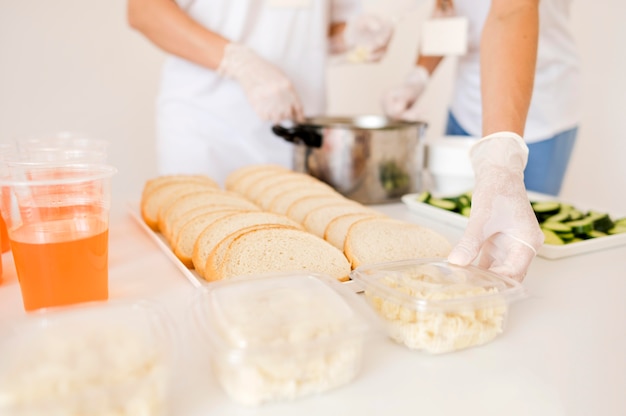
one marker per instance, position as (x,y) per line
(436,285)
(364,122)
(276,311)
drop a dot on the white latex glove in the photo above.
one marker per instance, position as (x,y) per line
(269,91)
(502,225)
(367,37)
(400,101)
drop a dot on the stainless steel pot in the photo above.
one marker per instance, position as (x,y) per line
(370,159)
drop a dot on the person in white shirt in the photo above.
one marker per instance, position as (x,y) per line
(554,113)
(237,66)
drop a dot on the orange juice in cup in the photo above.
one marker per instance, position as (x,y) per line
(57,223)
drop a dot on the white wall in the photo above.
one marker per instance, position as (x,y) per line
(75,65)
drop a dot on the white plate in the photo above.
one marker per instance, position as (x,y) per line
(546,251)
(192,276)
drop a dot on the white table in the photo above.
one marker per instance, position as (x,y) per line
(562,353)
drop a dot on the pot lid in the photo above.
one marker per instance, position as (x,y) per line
(368,122)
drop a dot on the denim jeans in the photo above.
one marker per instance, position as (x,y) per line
(547,159)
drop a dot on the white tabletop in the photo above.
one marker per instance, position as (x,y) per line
(563,351)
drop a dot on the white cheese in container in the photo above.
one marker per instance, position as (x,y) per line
(94,359)
(280,337)
(436,307)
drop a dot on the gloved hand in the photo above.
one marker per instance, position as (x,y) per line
(502,225)
(399,102)
(367,37)
(271,94)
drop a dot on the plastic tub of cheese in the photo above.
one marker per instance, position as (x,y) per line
(433,306)
(92,359)
(281,337)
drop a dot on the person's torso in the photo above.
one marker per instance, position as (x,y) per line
(555,102)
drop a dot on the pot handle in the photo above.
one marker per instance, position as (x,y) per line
(299,134)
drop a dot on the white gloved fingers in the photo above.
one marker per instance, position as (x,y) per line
(398,100)
(370,35)
(466,250)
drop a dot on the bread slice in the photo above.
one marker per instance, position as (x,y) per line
(183,243)
(214,233)
(177,225)
(337,228)
(379,240)
(261,186)
(275,250)
(184,204)
(153,183)
(301,207)
(289,185)
(218,252)
(233,178)
(154,201)
(318,218)
(286,197)
(244,183)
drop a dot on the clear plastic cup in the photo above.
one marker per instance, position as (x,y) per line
(57,218)
(66,146)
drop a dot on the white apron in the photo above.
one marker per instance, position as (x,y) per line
(204,122)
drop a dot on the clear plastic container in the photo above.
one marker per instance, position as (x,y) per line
(433,306)
(280,337)
(93,359)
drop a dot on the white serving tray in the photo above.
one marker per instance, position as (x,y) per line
(546,251)
(190,274)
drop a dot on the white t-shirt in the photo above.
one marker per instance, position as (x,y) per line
(555,104)
(204,121)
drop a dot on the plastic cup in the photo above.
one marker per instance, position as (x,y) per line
(68,147)
(57,218)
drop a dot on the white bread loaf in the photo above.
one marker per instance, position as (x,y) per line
(153,201)
(289,185)
(153,183)
(246,182)
(337,229)
(380,240)
(275,250)
(280,203)
(222,227)
(266,183)
(177,225)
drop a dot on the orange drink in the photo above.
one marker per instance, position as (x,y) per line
(5,245)
(70,266)
(57,219)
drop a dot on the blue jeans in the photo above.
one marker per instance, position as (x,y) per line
(547,159)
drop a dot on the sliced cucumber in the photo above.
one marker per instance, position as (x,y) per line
(550,237)
(423,197)
(583,226)
(557,227)
(465,211)
(560,217)
(546,207)
(442,203)
(618,229)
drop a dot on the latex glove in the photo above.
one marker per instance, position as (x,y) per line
(502,225)
(269,91)
(367,37)
(399,102)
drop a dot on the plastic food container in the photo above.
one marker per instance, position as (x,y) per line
(436,307)
(93,359)
(280,337)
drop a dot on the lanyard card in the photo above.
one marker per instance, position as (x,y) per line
(444,36)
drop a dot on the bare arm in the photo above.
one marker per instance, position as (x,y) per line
(508,57)
(172,30)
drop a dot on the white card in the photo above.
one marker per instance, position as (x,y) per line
(289,4)
(444,36)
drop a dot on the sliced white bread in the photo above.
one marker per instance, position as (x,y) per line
(260,187)
(247,181)
(300,208)
(337,228)
(183,243)
(379,240)
(275,250)
(184,204)
(213,234)
(280,203)
(289,185)
(218,252)
(154,201)
(153,183)
(177,225)
(233,177)
(318,218)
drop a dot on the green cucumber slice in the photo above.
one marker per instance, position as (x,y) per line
(557,227)
(423,197)
(550,237)
(443,203)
